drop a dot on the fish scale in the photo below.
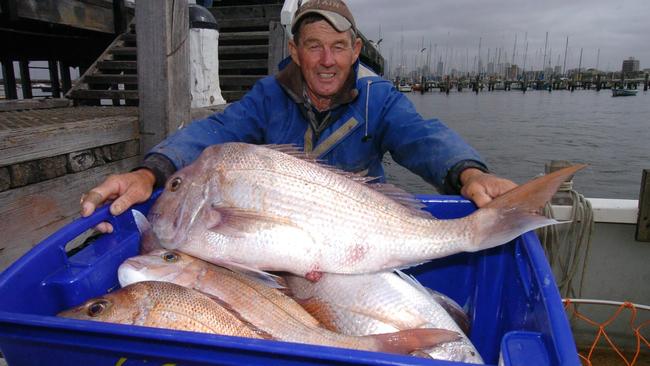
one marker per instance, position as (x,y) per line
(269,210)
(264,308)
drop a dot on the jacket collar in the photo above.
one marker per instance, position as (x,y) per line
(290,79)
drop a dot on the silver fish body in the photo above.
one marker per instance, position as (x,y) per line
(264,308)
(378,303)
(269,210)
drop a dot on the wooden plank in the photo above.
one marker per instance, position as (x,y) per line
(163,68)
(239,80)
(123,51)
(247,23)
(117,65)
(643,223)
(111,79)
(29,143)
(243,64)
(29,214)
(104,94)
(22,104)
(268,12)
(243,36)
(278,41)
(74,13)
(244,50)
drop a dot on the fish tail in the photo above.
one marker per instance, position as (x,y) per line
(407,341)
(517,211)
(149,241)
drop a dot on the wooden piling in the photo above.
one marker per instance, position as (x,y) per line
(645,85)
(25,79)
(66,81)
(643,221)
(9,79)
(163,68)
(54,78)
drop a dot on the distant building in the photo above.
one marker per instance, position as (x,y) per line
(490,68)
(557,70)
(440,68)
(513,72)
(630,66)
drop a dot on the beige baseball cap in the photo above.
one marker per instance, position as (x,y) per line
(334,11)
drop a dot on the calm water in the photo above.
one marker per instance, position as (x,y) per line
(518,133)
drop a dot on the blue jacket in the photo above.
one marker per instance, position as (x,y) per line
(376,119)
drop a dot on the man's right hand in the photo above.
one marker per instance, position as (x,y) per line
(125,189)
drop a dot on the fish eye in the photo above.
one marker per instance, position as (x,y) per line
(170,257)
(175,184)
(96,308)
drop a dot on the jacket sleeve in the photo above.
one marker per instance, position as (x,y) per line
(427,147)
(242,121)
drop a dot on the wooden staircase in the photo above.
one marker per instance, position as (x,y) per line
(243,56)
(113,76)
(243,43)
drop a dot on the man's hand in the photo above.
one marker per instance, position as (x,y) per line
(482,187)
(126,189)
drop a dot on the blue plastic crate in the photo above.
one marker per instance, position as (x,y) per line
(509,292)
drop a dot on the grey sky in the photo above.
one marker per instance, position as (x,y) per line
(619,28)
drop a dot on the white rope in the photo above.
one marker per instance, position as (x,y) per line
(605,302)
(565,252)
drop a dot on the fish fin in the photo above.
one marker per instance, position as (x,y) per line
(454,310)
(413,282)
(264,278)
(407,341)
(517,211)
(402,197)
(263,334)
(321,311)
(298,153)
(236,222)
(149,241)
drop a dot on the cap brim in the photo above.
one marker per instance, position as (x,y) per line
(339,22)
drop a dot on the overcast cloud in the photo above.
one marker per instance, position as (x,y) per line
(620,29)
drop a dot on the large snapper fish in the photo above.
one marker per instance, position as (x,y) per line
(268,209)
(267,309)
(163,305)
(380,303)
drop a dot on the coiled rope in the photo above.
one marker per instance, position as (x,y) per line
(567,245)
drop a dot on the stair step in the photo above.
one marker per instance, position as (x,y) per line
(238,80)
(244,50)
(241,11)
(104,94)
(124,51)
(111,79)
(244,36)
(129,37)
(243,64)
(246,23)
(117,65)
(233,95)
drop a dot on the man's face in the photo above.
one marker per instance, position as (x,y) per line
(325,57)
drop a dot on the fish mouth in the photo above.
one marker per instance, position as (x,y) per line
(130,272)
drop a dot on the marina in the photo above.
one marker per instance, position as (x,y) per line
(69,118)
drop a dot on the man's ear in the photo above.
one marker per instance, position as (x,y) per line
(293,51)
(357,48)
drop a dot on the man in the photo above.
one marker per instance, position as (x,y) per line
(325,101)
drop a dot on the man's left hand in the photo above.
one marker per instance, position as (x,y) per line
(483,187)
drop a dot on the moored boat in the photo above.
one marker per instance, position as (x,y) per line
(618,92)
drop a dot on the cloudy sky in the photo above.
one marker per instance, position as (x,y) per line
(619,28)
